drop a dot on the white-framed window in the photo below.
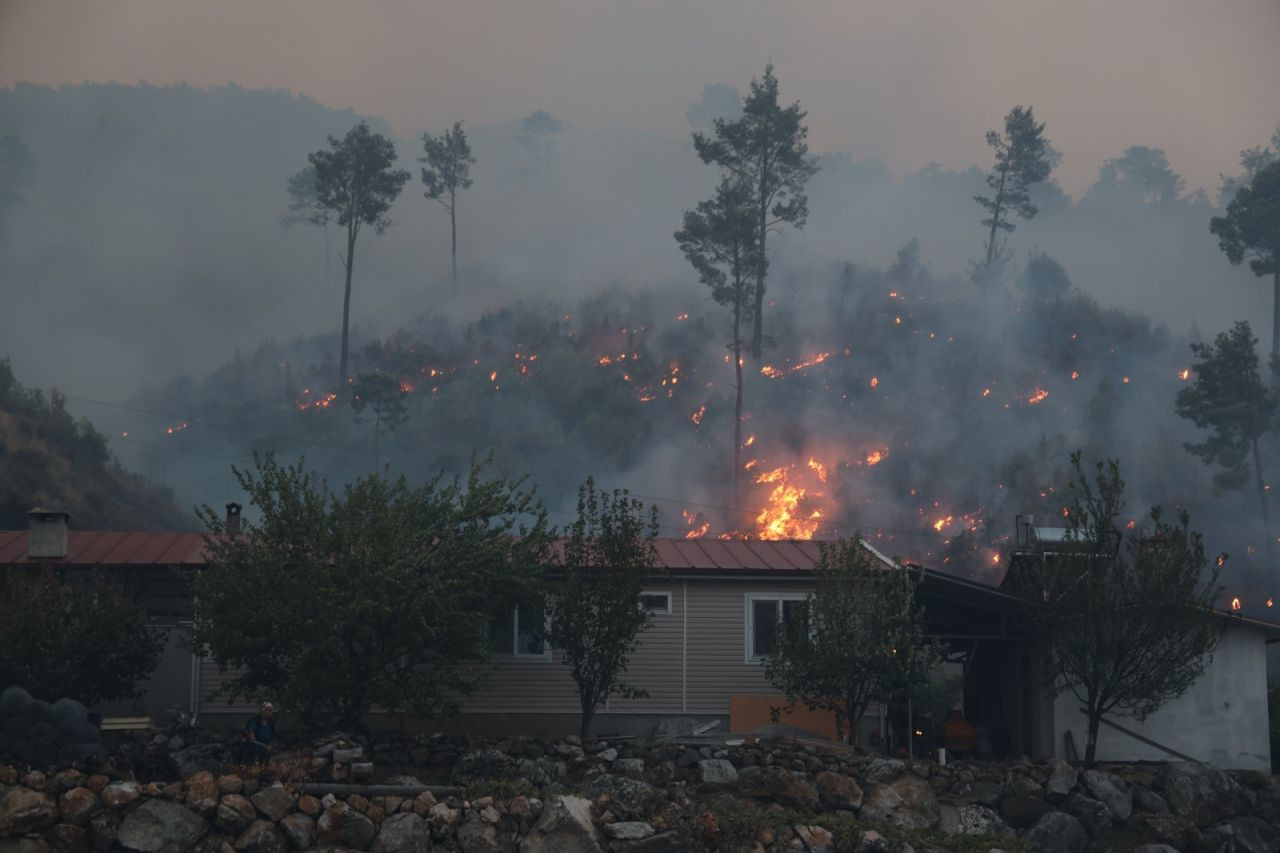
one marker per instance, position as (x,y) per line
(764,609)
(657,603)
(520,634)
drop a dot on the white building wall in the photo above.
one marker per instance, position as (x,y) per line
(1221,720)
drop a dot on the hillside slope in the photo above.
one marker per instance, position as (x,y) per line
(49,459)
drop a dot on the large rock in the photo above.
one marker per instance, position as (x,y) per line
(273,801)
(909,803)
(23,810)
(403,833)
(66,838)
(1110,790)
(883,770)
(565,827)
(1093,815)
(78,805)
(1245,835)
(103,829)
(1202,793)
(117,795)
(476,835)
(1146,800)
(1174,830)
(343,826)
(262,836)
(481,764)
(837,791)
(234,814)
(1023,811)
(202,793)
(201,756)
(1062,780)
(1057,832)
(776,785)
(670,841)
(300,829)
(972,819)
(716,774)
(621,788)
(159,826)
(628,830)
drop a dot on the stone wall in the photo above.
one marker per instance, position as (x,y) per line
(529,795)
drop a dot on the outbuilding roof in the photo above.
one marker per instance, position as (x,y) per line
(112,548)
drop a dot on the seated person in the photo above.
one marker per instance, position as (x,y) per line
(255,743)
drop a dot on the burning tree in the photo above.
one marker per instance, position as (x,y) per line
(1127,626)
(765,149)
(1023,159)
(449,160)
(858,639)
(355,186)
(382,594)
(595,612)
(719,238)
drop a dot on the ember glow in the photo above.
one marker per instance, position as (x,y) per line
(875,457)
(1184,374)
(696,417)
(1235,604)
(778,372)
(1039,396)
(175,428)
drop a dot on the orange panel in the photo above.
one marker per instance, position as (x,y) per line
(749,711)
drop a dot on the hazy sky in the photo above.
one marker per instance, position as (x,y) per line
(907,81)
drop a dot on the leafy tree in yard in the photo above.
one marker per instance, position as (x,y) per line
(382,594)
(355,186)
(1229,397)
(1251,229)
(1128,626)
(448,158)
(595,612)
(1024,158)
(382,396)
(764,149)
(719,240)
(84,638)
(858,639)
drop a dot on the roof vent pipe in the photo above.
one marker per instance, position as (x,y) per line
(47,536)
(233,518)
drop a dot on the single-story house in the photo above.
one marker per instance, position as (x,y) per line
(714,606)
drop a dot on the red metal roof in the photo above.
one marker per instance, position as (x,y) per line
(187,549)
(96,548)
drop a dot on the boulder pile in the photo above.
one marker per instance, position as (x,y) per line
(526,795)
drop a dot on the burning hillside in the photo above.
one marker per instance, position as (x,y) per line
(897,413)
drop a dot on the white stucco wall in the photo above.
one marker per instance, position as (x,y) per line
(1221,720)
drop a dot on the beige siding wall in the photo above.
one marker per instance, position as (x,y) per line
(697,679)
(717,642)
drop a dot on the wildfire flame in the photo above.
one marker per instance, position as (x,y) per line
(875,457)
(1184,374)
(783,516)
(698,527)
(1235,604)
(696,417)
(1039,396)
(175,428)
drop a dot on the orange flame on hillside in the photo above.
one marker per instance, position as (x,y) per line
(789,511)
(696,417)
(777,372)
(1039,396)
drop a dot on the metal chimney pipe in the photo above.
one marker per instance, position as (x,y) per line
(47,534)
(233,518)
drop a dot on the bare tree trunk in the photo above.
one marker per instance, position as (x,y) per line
(757,335)
(346,308)
(995,217)
(588,713)
(1091,745)
(1275,312)
(453,232)
(737,403)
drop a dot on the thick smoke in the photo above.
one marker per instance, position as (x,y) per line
(150,266)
